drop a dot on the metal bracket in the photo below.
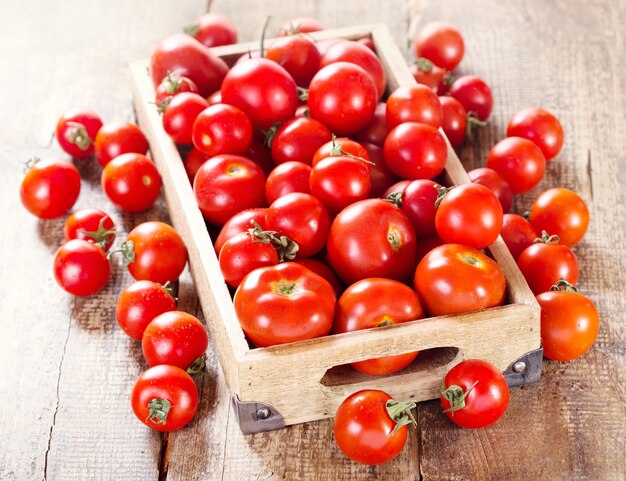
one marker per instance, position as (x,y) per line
(256,417)
(526,369)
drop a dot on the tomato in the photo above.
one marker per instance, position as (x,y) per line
(263,90)
(171,85)
(261,156)
(215,98)
(569,323)
(193,161)
(240,222)
(213,30)
(476,280)
(495,183)
(370,427)
(177,339)
(380,175)
(425,245)
(297,55)
(427,73)
(441,43)
(453,120)
(81,268)
(322,270)
(340,146)
(132,182)
(117,138)
(302,218)
(298,140)
(343,97)
(158,252)
(222,129)
(376,131)
(560,212)
(139,303)
(284,303)
(474,94)
(287,178)
(76,131)
(517,233)
(539,126)
(164,398)
(416,103)
(417,201)
(180,114)
(187,57)
(371,238)
(396,188)
(358,54)
(300,25)
(415,151)
(474,394)
(377,302)
(50,187)
(519,162)
(92,225)
(243,253)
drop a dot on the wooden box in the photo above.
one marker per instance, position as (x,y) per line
(304,381)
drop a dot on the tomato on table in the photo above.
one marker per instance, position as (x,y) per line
(81,268)
(427,73)
(520,162)
(213,30)
(561,212)
(300,25)
(76,131)
(117,138)
(539,126)
(441,43)
(93,225)
(474,94)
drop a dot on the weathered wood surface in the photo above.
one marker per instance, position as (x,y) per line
(68,369)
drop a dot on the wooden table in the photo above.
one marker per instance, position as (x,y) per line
(68,369)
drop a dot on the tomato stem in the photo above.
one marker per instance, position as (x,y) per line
(563,286)
(127,249)
(285,247)
(30,163)
(472,123)
(442,191)
(395,198)
(158,409)
(101,236)
(423,64)
(79,136)
(270,134)
(336,150)
(401,413)
(197,366)
(172,84)
(455,396)
(263,32)
(547,239)
(192,30)
(303,94)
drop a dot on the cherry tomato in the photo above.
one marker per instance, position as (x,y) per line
(474,94)
(517,233)
(222,129)
(50,188)
(453,120)
(476,280)
(300,25)
(416,103)
(376,131)
(164,398)
(193,161)
(427,73)
(297,55)
(519,162)
(180,114)
(243,253)
(171,85)
(560,212)
(441,43)
(215,98)
(380,175)
(139,303)
(117,138)
(81,268)
(132,182)
(539,126)
(475,394)
(287,178)
(417,201)
(322,270)
(298,140)
(213,30)
(495,183)
(76,131)
(340,146)
(284,303)
(240,222)
(92,225)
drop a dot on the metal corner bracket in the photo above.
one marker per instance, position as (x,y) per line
(526,369)
(256,417)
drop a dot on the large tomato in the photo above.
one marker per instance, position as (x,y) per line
(560,212)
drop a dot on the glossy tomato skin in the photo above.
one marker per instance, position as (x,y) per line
(213,30)
(560,212)
(453,120)
(486,402)
(298,140)
(241,254)
(117,138)
(300,25)
(539,126)
(81,268)
(240,222)
(323,270)
(495,183)
(376,131)
(222,129)
(474,94)
(441,43)
(76,131)
(139,303)
(85,221)
(371,238)
(132,182)
(284,303)
(418,203)
(50,188)
(425,245)
(297,55)
(544,264)
(340,146)
(376,302)
(193,161)
(286,178)
(519,162)
(168,383)
(363,428)
(380,175)
(476,280)
(415,103)
(180,114)
(517,233)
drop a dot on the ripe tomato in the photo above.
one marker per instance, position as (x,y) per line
(240,222)
(180,114)
(371,238)
(322,270)
(519,162)
(415,151)
(370,427)
(377,302)
(343,97)
(476,280)
(261,156)
(380,175)
(76,131)
(215,98)
(425,245)
(297,55)
(117,138)
(396,188)
(453,120)
(193,161)
(376,131)
(427,73)
(171,85)
(284,303)
(474,94)
(132,182)
(495,183)
(517,233)
(50,188)
(416,103)
(298,140)
(81,268)
(139,303)
(441,43)
(300,25)
(417,201)
(287,178)
(243,253)
(560,212)
(340,146)
(222,129)
(92,225)
(474,394)
(539,126)
(164,398)
(213,30)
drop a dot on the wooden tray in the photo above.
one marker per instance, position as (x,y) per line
(304,381)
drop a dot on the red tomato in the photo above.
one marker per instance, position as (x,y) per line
(517,233)
(340,146)
(297,55)
(370,427)
(92,225)
(560,212)
(298,140)
(376,131)
(193,161)
(117,138)
(380,175)
(474,394)
(213,30)
(132,182)
(81,268)
(417,201)
(300,25)
(474,94)
(415,151)
(377,302)
(343,97)
(398,187)
(519,162)
(76,131)
(171,85)
(322,270)
(539,126)
(284,303)
(427,73)
(425,245)
(368,42)
(222,129)
(240,222)
(476,280)
(164,398)
(227,184)
(371,238)
(261,156)
(243,253)
(180,114)
(441,43)
(215,98)
(50,188)
(287,178)
(495,183)
(454,120)
(139,303)
(416,103)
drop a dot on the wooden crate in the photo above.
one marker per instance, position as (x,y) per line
(304,381)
